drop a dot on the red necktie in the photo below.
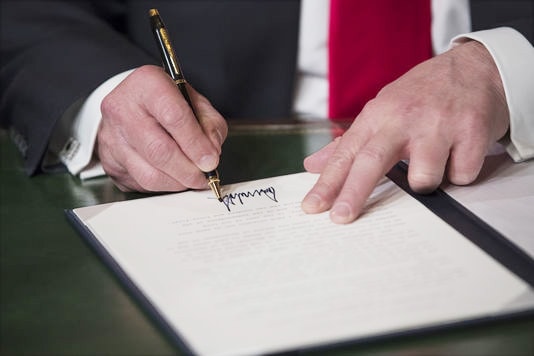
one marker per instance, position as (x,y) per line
(371,43)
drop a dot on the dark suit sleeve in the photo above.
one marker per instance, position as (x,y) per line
(518,14)
(54,53)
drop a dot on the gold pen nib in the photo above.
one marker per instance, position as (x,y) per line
(215,184)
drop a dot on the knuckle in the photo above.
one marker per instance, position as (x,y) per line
(145,70)
(149,180)
(189,142)
(110,107)
(112,171)
(352,194)
(370,107)
(373,153)
(341,159)
(171,118)
(326,188)
(158,152)
(120,178)
(474,128)
(102,137)
(110,165)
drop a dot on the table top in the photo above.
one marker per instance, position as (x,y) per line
(57,297)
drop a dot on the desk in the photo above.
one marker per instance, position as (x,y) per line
(58,298)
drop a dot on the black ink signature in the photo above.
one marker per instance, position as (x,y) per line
(233,198)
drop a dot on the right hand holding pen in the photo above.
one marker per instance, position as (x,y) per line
(149,139)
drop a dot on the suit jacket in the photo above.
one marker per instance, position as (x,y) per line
(240,54)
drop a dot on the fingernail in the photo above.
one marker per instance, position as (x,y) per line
(312,203)
(207,163)
(340,213)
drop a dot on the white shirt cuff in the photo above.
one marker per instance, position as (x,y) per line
(514,56)
(78,151)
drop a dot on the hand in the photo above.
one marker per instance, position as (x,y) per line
(149,139)
(442,115)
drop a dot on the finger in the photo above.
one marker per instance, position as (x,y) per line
(152,179)
(120,161)
(211,121)
(332,177)
(140,175)
(125,122)
(465,162)
(124,188)
(147,139)
(316,162)
(334,162)
(161,152)
(173,113)
(370,165)
(114,169)
(428,159)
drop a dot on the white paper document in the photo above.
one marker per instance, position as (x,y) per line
(255,274)
(503,196)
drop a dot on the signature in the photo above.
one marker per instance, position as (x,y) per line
(235,198)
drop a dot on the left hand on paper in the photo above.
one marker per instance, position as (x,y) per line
(442,116)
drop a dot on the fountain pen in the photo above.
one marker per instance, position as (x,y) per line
(172,67)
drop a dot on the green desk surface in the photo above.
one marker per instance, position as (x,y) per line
(58,298)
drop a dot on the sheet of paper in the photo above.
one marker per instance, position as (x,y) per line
(256,275)
(503,196)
